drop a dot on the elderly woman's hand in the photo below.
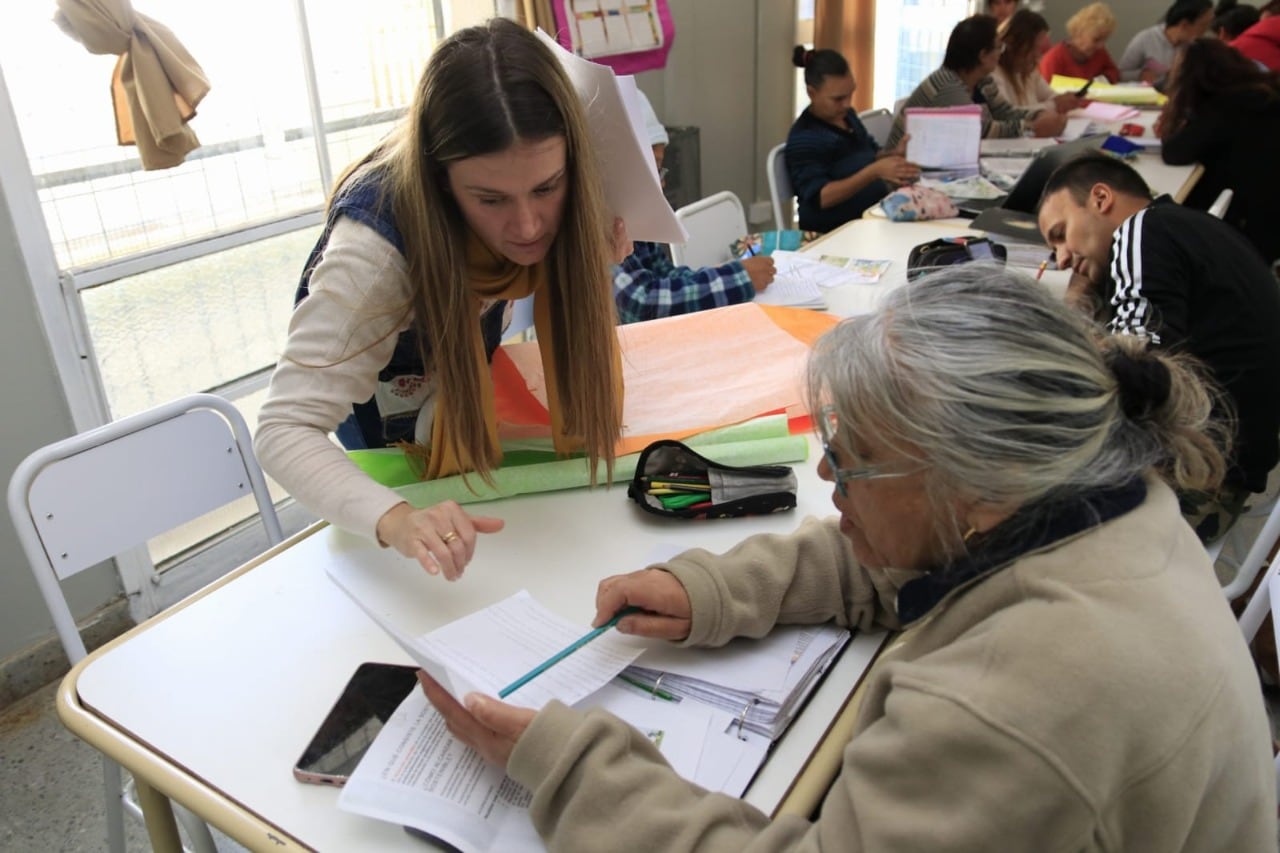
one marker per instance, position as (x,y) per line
(486,725)
(663,599)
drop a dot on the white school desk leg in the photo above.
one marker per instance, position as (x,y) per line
(161,826)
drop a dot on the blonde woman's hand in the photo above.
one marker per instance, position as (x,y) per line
(441,537)
(621,242)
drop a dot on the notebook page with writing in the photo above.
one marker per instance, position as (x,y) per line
(944,137)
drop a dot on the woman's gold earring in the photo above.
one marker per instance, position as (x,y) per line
(969,534)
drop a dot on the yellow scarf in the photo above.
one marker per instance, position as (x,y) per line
(494,277)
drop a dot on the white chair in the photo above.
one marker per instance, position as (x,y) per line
(713,224)
(781,192)
(83,500)
(1266,598)
(1221,203)
(1255,552)
(878,123)
(521,319)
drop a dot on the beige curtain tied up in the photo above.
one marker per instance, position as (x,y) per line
(537,13)
(156,85)
(849,26)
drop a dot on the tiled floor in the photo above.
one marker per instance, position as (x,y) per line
(52,782)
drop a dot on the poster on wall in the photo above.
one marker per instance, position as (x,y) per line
(627,35)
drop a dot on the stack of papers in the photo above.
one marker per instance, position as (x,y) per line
(1014,146)
(1100,111)
(760,683)
(418,774)
(827,270)
(1113,93)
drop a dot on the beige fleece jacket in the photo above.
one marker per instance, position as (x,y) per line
(1095,695)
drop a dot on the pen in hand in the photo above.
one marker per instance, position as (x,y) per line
(1043,266)
(564,653)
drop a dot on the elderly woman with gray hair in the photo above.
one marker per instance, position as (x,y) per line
(1067,674)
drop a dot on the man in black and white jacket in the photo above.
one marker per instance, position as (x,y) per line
(1187,282)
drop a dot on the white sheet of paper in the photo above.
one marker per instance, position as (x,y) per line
(631,184)
(798,265)
(793,291)
(418,774)
(1076,128)
(1014,146)
(944,138)
(499,644)
(1102,111)
(491,648)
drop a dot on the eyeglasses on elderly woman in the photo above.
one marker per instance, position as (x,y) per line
(828,428)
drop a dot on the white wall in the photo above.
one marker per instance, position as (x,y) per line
(35,413)
(729,74)
(713,81)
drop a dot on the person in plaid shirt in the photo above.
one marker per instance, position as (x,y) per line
(647,285)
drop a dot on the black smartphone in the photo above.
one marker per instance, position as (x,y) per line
(371,696)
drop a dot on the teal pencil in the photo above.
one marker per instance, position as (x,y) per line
(564,653)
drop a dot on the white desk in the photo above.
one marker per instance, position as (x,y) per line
(212,702)
(880,239)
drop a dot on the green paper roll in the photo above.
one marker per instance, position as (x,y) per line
(388,466)
(573,473)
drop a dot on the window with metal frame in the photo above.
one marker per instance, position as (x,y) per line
(181,280)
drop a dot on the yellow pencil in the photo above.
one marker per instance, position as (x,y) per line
(1044,265)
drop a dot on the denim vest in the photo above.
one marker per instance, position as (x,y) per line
(362,201)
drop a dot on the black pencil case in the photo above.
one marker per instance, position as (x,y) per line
(714,490)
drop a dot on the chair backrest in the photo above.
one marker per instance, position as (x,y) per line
(781,192)
(1221,203)
(878,123)
(87,498)
(713,224)
(1269,589)
(521,318)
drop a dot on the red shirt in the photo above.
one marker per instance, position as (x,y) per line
(1060,61)
(1261,42)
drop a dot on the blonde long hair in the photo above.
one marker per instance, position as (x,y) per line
(485,89)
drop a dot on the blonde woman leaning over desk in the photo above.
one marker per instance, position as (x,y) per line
(1067,675)
(487,192)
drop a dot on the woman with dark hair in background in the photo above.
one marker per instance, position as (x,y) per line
(1024,39)
(1150,53)
(1083,53)
(837,170)
(1224,113)
(1229,23)
(973,50)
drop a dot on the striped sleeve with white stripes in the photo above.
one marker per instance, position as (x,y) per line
(1131,310)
